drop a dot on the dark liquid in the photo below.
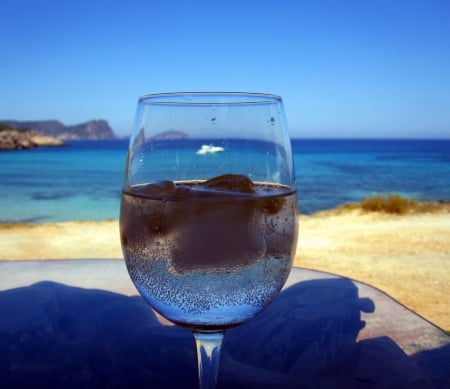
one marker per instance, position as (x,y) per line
(206,257)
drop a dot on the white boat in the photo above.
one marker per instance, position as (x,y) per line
(209,149)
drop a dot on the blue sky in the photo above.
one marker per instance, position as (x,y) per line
(345,68)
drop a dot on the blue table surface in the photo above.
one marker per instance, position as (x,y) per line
(80,323)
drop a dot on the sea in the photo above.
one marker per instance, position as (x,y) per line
(83,180)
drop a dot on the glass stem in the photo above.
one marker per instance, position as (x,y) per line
(208,357)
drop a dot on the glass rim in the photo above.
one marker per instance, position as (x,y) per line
(209,98)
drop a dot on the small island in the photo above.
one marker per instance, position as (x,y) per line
(170,135)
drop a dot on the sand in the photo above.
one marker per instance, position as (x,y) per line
(406,256)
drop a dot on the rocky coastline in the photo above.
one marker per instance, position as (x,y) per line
(19,135)
(19,140)
(92,129)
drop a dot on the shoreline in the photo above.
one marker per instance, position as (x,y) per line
(406,256)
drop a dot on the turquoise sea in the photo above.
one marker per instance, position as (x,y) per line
(83,180)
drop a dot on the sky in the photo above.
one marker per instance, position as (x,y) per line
(344,68)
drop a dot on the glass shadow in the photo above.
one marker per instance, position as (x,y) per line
(55,335)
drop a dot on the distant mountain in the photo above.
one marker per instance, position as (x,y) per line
(93,129)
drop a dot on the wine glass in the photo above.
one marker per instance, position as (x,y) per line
(208,219)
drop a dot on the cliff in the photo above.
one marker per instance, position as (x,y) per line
(93,129)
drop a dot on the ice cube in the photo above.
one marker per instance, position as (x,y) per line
(272,206)
(184,192)
(216,235)
(161,189)
(229,183)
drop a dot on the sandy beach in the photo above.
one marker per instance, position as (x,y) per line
(406,256)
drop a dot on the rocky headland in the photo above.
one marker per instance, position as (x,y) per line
(17,135)
(13,139)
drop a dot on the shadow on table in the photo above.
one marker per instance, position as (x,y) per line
(54,335)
